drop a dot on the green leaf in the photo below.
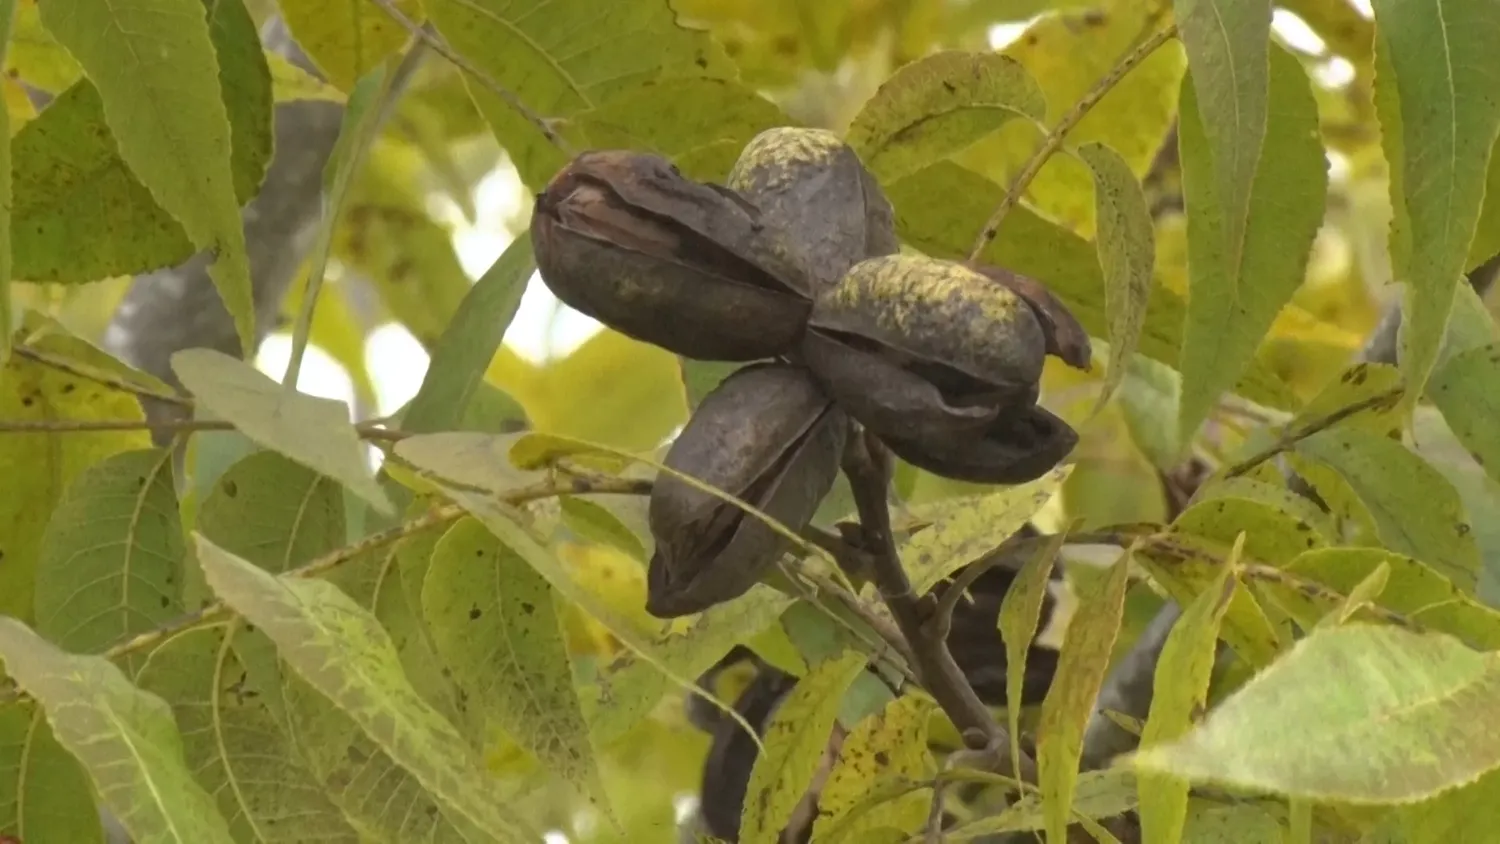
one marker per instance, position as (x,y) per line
(495,624)
(598,524)
(1209,822)
(7,314)
(1100,794)
(273,512)
(234,747)
(41,467)
(1185,566)
(1127,255)
(702,123)
(886,748)
(1020,614)
(1301,510)
(537,50)
(1360,385)
(1434,76)
(699,378)
(347,40)
(1180,693)
(1068,52)
(1470,813)
(1254,191)
(964,529)
(278,514)
(470,341)
(81,212)
(290,83)
(1383,716)
(636,683)
(1271,535)
(1415,509)
(47,794)
(1464,390)
(310,430)
(1414,590)
(938,105)
(795,740)
(343,652)
(358,128)
(155,70)
(1070,701)
(941,209)
(125,738)
(111,560)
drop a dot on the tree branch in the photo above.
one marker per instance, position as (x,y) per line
(867,463)
(1054,140)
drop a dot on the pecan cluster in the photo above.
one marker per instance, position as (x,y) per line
(794,268)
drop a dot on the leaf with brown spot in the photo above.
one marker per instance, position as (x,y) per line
(493,620)
(1069,703)
(794,742)
(887,747)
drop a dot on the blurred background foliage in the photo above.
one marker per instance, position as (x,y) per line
(439,200)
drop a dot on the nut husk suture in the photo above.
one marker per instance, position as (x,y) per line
(766,435)
(890,400)
(813,186)
(1066,338)
(624,238)
(939,312)
(1022,445)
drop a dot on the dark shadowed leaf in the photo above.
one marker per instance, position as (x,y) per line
(125,738)
(312,431)
(937,106)
(111,559)
(1384,716)
(1254,191)
(1070,701)
(344,653)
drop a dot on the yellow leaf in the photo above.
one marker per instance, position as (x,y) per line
(346,38)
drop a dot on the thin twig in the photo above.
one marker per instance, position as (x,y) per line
(320,565)
(1054,140)
(365,430)
(1289,439)
(867,463)
(435,517)
(438,45)
(100,377)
